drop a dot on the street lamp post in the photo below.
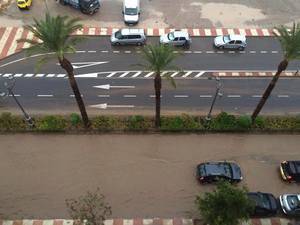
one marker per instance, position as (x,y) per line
(10,85)
(217,93)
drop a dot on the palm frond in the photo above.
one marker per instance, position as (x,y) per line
(171,79)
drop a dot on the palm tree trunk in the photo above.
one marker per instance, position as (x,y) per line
(281,67)
(65,64)
(157,87)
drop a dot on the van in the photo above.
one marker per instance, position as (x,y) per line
(128,37)
(131,11)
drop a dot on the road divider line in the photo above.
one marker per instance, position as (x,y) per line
(233,96)
(187,51)
(200,74)
(256,96)
(16,95)
(104,51)
(50,75)
(44,95)
(116,51)
(103,96)
(198,52)
(92,51)
(7,75)
(274,51)
(18,75)
(220,52)
(29,75)
(73,96)
(205,96)
(283,96)
(252,52)
(263,52)
(40,75)
(231,52)
(181,96)
(80,51)
(149,74)
(124,74)
(129,96)
(127,52)
(174,74)
(187,74)
(111,74)
(153,96)
(210,52)
(136,74)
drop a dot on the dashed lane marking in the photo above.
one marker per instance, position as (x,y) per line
(256,96)
(233,96)
(283,96)
(205,96)
(129,96)
(44,95)
(103,96)
(181,96)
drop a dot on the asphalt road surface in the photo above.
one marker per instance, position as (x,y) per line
(98,63)
(140,175)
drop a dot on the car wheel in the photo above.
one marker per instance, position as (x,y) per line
(117,44)
(221,47)
(139,44)
(241,48)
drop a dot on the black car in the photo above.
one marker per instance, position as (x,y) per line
(265,204)
(214,171)
(290,170)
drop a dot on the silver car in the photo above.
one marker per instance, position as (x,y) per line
(290,204)
(128,37)
(176,38)
(230,42)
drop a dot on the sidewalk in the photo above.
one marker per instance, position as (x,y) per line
(155,221)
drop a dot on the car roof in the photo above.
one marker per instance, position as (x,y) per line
(237,37)
(259,198)
(127,31)
(215,168)
(131,3)
(294,166)
(180,33)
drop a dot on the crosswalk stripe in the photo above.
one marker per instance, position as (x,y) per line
(111,74)
(137,74)
(174,74)
(149,74)
(50,75)
(14,44)
(6,75)
(200,74)
(61,75)
(40,75)
(18,75)
(29,75)
(29,36)
(124,74)
(187,74)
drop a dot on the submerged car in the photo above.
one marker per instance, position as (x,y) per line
(265,204)
(176,38)
(290,171)
(209,172)
(290,204)
(24,4)
(230,42)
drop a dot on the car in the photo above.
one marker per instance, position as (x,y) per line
(209,172)
(24,4)
(290,204)
(131,11)
(128,37)
(230,42)
(176,38)
(290,171)
(265,204)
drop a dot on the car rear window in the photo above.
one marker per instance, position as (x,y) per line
(293,201)
(261,200)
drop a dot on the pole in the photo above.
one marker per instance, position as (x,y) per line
(217,93)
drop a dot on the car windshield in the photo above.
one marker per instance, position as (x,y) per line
(118,35)
(227,170)
(171,36)
(293,201)
(131,11)
(226,38)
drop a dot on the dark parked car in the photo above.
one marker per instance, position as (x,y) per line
(290,171)
(214,171)
(265,204)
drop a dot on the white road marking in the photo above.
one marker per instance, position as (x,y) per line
(137,74)
(108,86)
(175,51)
(283,96)
(220,52)
(116,51)
(111,74)
(274,51)
(127,52)
(149,74)
(210,52)
(73,96)
(105,106)
(252,52)
(242,52)
(174,74)
(92,51)
(40,75)
(18,75)
(138,52)
(233,96)
(124,74)
(200,74)
(187,51)
(16,95)
(231,52)
(197,52)
(14,43)
(29,75)
(4,38)
(187,74)
(103,96)
(80,51)
(153,96)
(181,96)
(129,96)
(104,51)
(44,95)
(61,75)
(263,52)
(205,96)
(256,96)
(7,75)
(88,75)
(50,75)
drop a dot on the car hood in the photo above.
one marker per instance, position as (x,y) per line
(236,172)
(164,38)
(131,18)
(219,41)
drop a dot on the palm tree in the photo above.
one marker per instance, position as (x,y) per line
(55,38)
(158,59)
(290,44)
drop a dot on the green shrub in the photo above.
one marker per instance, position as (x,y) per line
(244,122)
(138,123)
(51,123)
(75,119)
(281,123)
(223,121)
(9,122)
(171,123)
(190,122)
(107,123)
(260,122)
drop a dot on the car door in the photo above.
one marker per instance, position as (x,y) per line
(175,42)
(231,44)
(182,41)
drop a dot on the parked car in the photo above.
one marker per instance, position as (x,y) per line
(230,42)
(290,204)
(85,6)
(131,11)
(265,204)
(290,171)
(176,38)
(24,4)
(128,37)
(209,172)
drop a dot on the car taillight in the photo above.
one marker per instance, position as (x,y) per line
(201,178)
(288,177)
(284,162)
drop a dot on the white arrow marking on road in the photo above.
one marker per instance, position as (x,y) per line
(91,75)
(108,86)
(78,65)
(105,106)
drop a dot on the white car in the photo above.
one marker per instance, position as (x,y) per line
(231,42)
(290,204)
(176,38)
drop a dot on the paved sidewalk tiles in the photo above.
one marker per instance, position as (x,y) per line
(10,35)
(139,221)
